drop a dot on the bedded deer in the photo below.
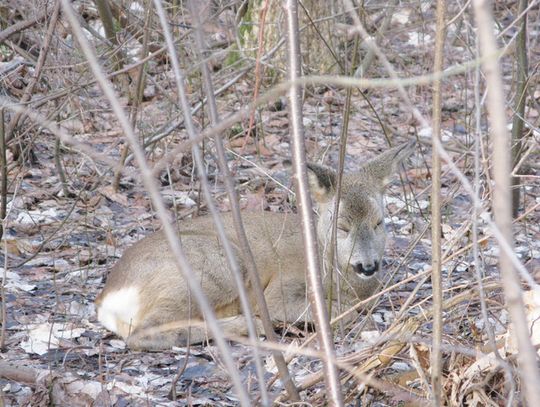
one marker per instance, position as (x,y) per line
(145,290)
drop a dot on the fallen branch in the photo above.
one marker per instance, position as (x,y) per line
(396,337)
(52,388)
(22,25)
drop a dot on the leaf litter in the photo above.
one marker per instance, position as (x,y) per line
(59,249)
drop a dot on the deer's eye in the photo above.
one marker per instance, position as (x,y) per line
(379,223)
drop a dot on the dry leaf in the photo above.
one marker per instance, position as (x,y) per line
(531,300)
(109,193)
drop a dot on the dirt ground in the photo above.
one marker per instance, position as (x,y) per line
(57,247)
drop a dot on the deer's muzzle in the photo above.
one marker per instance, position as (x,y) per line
(367,269)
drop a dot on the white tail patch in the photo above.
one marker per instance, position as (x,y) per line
(119,309)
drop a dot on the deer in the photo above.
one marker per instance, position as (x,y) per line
(145,291)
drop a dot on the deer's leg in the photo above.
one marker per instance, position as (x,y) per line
(156,334)
(286,298)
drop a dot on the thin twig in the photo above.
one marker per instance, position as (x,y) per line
(57,131)
(333,249)
(372,45)
(153,191)
(478,264)
(212,107)
(313,80)
(199,164)
(4,171)
(436,275)
(27,95)
(368,59)
(22,25)
(502,200)
(518,138)
(249,260)
(258,65)
(306,211)
(3,207)
(137,95)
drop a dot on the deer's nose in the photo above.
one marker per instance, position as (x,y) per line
(367,269)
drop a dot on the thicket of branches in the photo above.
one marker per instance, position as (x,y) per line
(117,117)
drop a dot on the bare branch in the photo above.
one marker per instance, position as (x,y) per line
(22,25)
(39,66)
(436,276)
(518,142)
(502,200)
(150,185)
(249,260)
(311,251)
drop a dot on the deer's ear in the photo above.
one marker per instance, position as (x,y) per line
(322,182)
(385,165)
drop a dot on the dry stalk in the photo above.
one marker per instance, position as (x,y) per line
(258,65)
(311,253)
(478,264)
(522,68)
(199,163)
(137,95)
(391,342)
(502,201)
(370,56)
(314,80)
(27,95)
(153,191)
(3,207)
(22,25)
(248,257)
(436,274)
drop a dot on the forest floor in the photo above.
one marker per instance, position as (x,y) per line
(58,248)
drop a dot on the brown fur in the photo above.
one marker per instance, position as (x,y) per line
(147,269)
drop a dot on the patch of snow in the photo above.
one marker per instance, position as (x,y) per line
(136,7)
(47,336)
(531,300)
(308,123)
(15,282)
(378,318)
(117,344)
(45,217)
(370,337)
(401,366)
(462,267)
(91,388)
(401,17)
